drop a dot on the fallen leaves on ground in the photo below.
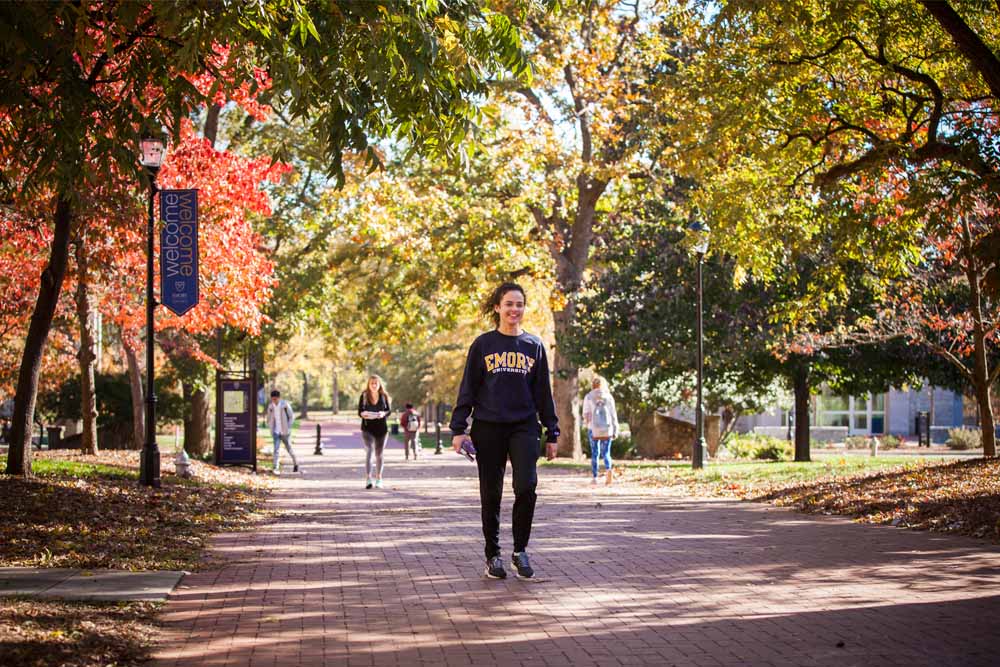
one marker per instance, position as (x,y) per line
(961,497)
(105,519)
(45,633)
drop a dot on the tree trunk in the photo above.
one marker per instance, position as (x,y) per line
(566,388)
(980,366)
(196,440)
(336,394)
(19,453)
(135,384)
(800,383)
(571,262)
(86,356)
(304,411)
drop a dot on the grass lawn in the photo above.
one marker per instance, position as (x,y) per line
(960,495)
(75,634)
(89,512)
(673,473)
(429,440)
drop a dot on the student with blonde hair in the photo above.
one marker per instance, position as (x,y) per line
(601,418)
(374,406)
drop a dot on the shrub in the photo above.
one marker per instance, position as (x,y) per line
(857,442)
(964,438)
(889,442)
(773,450)
(759,447)
(865,441)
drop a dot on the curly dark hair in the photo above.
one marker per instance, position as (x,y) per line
(488,309)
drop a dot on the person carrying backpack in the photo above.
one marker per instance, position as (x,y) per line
(279,421)
(601,418)
(410,421)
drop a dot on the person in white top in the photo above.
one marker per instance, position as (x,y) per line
(601,418)
(279,420)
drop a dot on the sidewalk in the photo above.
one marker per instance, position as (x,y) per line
(627,576)
(88,585)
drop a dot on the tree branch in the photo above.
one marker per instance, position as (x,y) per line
(968,42)
(536,102)
(586,153)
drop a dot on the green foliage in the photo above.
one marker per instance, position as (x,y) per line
(758,447)
(964,438)
(637,323)
(857,442)
(114,400)
(865,441)
(888,441)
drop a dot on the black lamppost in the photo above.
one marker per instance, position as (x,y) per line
(149,465)
(699,232)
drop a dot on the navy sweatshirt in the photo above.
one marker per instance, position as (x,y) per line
(506,380)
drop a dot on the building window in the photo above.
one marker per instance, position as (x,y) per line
(862,415)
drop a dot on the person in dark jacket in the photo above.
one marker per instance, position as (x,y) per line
(506,391)
(374,406)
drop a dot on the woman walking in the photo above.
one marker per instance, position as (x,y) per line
(506,391)
(373,407)
(601,418)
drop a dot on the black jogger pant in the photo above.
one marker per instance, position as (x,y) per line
(495,442)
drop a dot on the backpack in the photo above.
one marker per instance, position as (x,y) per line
(600,423)
(412,422)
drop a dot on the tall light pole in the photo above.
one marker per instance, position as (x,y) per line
(699,232)
(149,464)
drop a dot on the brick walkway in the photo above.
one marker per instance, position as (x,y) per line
(628,576)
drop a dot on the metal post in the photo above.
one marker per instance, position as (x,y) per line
(698,451)
(319,444)
(437,433)
(149,468)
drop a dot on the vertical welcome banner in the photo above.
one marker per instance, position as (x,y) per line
(179,250)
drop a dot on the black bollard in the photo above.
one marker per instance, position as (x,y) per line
(437,433)
(319,444)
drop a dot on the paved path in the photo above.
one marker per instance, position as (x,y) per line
(628,576)
(92,585)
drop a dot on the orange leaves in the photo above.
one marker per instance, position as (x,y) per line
(236,277)
(244,95)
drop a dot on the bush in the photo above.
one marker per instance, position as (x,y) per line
(964,438)
(114,400)
(758,447)
(774,450)
(889,442)
(865,441)
(857,442)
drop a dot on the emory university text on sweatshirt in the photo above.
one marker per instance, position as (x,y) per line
(506,380)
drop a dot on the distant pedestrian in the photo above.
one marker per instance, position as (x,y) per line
(410,421)
(279,420)
(373,407)
(601,418)
(506,389)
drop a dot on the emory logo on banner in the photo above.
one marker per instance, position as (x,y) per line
(179,250)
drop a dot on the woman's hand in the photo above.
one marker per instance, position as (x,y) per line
(456,442)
